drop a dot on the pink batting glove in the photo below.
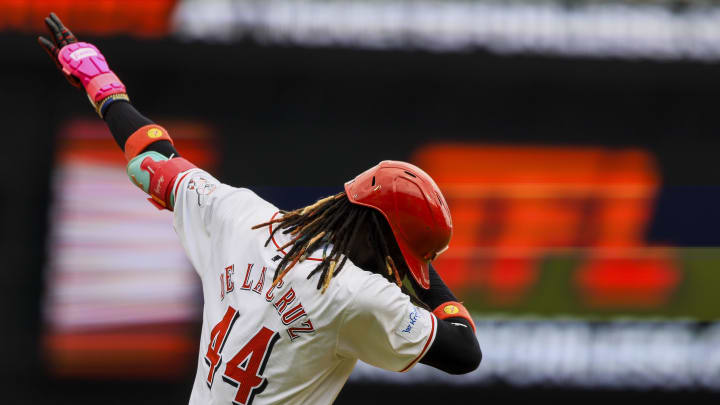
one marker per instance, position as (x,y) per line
(85,62)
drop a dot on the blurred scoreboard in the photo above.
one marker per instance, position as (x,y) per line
(121,298)
(562,230)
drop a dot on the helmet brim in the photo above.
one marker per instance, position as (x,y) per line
(419,269)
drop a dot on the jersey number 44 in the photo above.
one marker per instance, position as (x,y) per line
(245,370)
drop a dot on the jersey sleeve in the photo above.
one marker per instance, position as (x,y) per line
(383,328)
(206,208)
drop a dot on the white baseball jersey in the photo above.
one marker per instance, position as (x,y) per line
(289,344)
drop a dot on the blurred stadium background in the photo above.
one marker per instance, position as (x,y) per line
(576,141)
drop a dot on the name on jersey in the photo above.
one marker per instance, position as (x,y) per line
(287,304)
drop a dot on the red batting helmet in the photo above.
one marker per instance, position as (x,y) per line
(414,207)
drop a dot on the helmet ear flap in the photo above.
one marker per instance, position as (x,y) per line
(414,208)
(389,257)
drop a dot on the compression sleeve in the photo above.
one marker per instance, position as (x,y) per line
(124,120)
(437,294)
(456,349)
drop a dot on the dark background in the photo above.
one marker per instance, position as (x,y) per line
(317,117)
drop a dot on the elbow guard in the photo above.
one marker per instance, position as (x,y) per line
(155,174)
(452,309)
(142,138)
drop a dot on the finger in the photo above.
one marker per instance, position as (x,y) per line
(57,21)
(48,46)
(50,24)
(54,31)
(67,35)
(52,51)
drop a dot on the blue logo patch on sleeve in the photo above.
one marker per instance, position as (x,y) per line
(412,323)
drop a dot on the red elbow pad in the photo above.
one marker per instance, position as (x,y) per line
(452,309)
(162,179)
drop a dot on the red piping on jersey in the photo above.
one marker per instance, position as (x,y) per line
(177,183)
(278,246)
(427,344)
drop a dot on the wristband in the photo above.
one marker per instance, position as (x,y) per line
(453,309)
(103,104)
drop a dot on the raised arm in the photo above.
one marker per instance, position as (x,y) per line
(153,162)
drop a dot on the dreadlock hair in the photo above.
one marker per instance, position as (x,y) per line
(333,221)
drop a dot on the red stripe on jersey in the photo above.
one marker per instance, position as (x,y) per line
(431,338)
(278,246)
(177,183)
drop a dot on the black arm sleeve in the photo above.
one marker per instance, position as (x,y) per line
(123,120)
(455,349)
(437,294)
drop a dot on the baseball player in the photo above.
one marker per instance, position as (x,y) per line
(292,299)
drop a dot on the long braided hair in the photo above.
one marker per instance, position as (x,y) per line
(335,224)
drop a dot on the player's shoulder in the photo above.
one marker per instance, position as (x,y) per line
(369,290)
(199,189)
(201,183)
(352,283)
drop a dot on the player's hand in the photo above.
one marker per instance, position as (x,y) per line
(61,37)
(83,65)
